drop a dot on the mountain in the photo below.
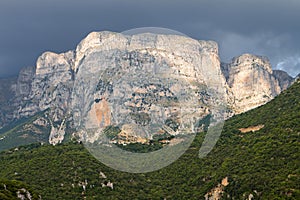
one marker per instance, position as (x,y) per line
(74,84)
(251,82)
(7,91)
(256,157)
(297,77)
(285,80)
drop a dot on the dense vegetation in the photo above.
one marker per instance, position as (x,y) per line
(13,190)
(265,163)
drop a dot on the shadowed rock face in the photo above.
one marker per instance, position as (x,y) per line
(283,78)
(247,82)
(7,92)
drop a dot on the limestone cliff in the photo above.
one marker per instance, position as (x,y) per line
(120,68)
(251,82)
(247,82)
(51,85)
(283,78)
(7,91)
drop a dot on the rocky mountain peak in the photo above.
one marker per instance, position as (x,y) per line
(90,42)
(93,40)
(284,79)
(250,60)
(50,62)
(251,82)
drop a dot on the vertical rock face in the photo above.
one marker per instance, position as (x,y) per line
(23,88)
(283,78)
(12,93)
(121,67)
(7,91)
(251,82)
(247,82)
(49,87)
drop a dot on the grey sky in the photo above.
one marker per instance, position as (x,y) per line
(265,27)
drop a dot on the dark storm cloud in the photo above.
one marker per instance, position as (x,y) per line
(266,27)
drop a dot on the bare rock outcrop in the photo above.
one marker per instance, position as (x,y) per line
(7,91)
(251,82)
(284,79)
(217,192)
(46,86)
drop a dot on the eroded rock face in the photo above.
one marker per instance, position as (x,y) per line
(49,87)
(139,81)
(23,86)
(251,82)
(283,78)
(247,82)
(7,92)
(13,91)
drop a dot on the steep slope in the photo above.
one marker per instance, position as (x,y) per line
(256,157)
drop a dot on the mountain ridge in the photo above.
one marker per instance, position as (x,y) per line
(49,85)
